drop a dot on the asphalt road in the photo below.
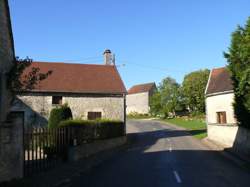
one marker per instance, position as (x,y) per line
(164,156)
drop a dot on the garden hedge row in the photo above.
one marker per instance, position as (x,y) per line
(88,130)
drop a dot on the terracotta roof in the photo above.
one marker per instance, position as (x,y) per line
(219,81)
(79,78)
(141,88)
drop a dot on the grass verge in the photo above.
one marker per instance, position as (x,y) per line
(196,127)
(138,116)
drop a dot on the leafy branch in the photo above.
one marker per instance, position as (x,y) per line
(19,80)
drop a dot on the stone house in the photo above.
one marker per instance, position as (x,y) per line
(91,91)
(221,123)
(138,98)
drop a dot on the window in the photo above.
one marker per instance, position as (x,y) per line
(221,117)
(56,100)
(94,115)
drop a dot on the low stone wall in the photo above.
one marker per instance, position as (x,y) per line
(223,134)
(233,138)
(242,143)
(86,150)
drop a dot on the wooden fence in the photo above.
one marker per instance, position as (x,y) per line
(44,148)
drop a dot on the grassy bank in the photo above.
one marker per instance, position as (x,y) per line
(196,127)
(139,116)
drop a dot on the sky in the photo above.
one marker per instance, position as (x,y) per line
(152,39)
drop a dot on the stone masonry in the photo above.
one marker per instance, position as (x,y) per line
(37,106)
(138,103)
(11,124)
(6,57)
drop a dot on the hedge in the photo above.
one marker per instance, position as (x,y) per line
(89,130)
(59,114)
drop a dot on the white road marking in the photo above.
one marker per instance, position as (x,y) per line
(170,149)
(177,177)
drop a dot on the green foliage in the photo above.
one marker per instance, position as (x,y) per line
(59,114)
(18,82)
(238,58)
(193,88)
(167,100)
(89,130)
(155,103)
(135,115)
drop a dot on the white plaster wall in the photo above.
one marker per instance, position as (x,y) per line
(138,103)
(225,135)
(38,107)
(218,103)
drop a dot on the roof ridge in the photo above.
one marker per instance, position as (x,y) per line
(143,84)
(68,63)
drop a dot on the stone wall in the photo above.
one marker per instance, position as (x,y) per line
(219,103)
(223,134)
(11,152)
(232,137)
(6,58)
(37,106)
(86,150)
(138,103)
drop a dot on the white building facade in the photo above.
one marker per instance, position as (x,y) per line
(138,98)
(221,122)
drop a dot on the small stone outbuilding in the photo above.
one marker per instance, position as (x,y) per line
(138,98)
(221,123)
(91,91)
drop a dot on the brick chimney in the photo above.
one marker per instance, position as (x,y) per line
(108,57)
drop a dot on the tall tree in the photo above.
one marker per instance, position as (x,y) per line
(155,103)
(238,57)
(170,96)
(193,88)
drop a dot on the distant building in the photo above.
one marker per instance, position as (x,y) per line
(138,98)
(221,123)
(91,91)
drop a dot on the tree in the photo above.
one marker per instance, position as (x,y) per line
(238,57)
(170,96)
(193,88)
(18,82)
(155,103)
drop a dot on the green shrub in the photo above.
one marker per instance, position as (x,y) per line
(89,130)
(58,115)
(135,115)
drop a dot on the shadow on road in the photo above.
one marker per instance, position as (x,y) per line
(149,162)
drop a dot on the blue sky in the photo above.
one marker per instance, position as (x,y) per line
(153,38)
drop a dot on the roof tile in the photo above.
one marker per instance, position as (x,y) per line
(141,88)
(79,78)
(220,81)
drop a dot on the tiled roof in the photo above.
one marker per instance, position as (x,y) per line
(219,81)
(79,78)
(141,88)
